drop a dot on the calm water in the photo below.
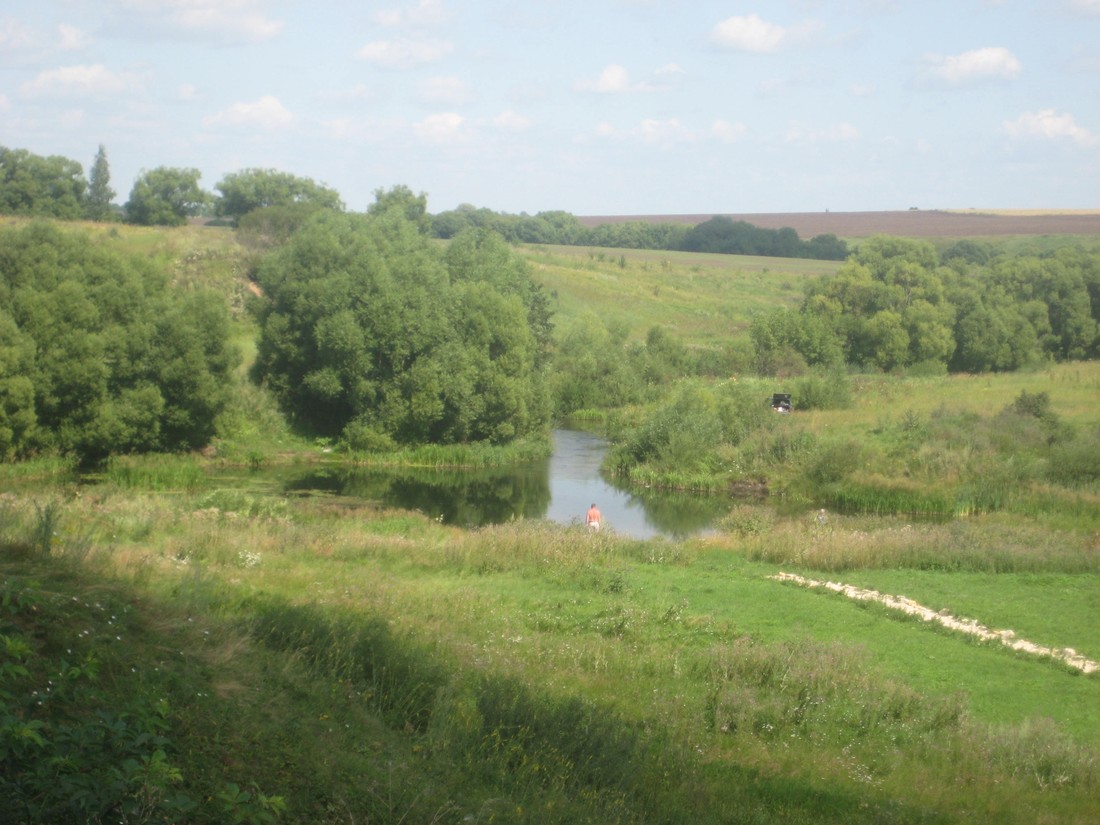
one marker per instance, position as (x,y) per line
(559,490)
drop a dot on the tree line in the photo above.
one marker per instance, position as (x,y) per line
(719,234)
(898,304)
(55,187)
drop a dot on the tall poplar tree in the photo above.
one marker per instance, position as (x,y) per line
(100,194)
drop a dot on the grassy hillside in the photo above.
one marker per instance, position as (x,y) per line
(702,299)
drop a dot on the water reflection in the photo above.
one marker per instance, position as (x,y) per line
(560,490)
(466,498)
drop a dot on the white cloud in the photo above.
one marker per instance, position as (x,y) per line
(727,132)
(404,53)
(449,90)
(511,121)
(5,104)
(613,79)
(753,34)
(69,81)
(223,19)
(424,13)
(1050,125)
(670,70)
(992,63)
(664,131)
(650,131)
(187,91)
(360,91)
(839,133)
(71,38)
(266,113)
(14,35)
(446,127)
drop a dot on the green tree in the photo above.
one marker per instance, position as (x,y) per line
(166,196)
(250,189)
(99,356)
(368,335)
(97,205)
(401,198)
(40,186)
(482,255)
(591,368)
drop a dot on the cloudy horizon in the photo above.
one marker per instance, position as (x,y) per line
(605,107)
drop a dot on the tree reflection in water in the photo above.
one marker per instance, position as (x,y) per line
(560,490)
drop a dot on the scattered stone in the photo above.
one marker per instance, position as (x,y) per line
(1006,637)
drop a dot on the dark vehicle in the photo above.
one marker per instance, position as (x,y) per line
(781,402)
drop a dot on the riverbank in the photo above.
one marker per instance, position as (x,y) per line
(380,643)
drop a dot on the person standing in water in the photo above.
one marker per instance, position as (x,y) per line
(592,519)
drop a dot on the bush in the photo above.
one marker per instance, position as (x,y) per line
(822,392)
(99,356)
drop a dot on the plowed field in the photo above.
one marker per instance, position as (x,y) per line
(915,223)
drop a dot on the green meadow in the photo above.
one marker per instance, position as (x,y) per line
(175,650)
(703,299)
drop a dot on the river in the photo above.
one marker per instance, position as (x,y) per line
(559,489)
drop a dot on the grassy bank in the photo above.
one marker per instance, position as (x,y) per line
(328,661)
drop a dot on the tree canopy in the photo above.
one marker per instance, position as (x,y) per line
(896,305)
(166,196)
(250,189)
(98,356)
(97,206)
(38,186)
(373,335)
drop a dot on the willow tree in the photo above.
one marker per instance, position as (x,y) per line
(99,356)
(369,336)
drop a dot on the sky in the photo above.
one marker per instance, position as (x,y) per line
(595,107)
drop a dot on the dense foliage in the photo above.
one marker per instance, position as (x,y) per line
(166,196)
(250,189)
(97,203)
(99,356)
(719,234)
(897,304)
(373,334)
(38,186)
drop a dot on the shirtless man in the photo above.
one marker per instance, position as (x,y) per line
(592,519)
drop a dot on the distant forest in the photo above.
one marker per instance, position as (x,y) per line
(56,187)
(719,234)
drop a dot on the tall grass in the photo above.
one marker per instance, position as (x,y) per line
(156,472)
(526,673)
(466,456)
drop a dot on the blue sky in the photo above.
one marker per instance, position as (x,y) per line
(591,106)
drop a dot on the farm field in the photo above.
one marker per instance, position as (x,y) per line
(913,223)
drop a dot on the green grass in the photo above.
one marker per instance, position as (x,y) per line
(701,299)
(533,673)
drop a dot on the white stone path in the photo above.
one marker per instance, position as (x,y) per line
(1006,637)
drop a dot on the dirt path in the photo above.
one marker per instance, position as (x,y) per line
(906,605)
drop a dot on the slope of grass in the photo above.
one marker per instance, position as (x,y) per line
(702,299)
(348,663)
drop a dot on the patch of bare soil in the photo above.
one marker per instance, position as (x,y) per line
(913,223)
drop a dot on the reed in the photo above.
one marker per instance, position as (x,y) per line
(156,472)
